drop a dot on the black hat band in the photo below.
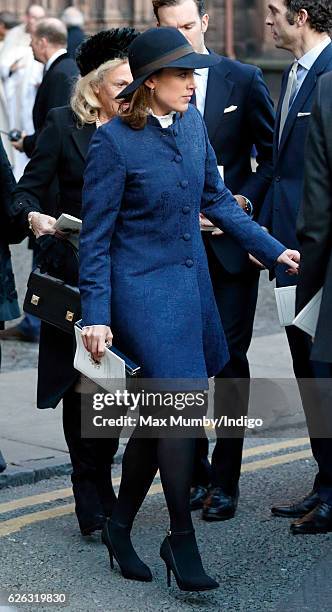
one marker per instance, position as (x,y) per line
(165,59)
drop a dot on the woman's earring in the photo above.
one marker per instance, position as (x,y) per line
(152,92)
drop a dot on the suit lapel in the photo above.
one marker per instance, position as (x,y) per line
(305,91)
(218,92)
(82,137)
(46,75)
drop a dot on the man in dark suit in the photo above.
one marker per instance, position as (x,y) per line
(300,27)
(238,112)
(314,232)
(49,43)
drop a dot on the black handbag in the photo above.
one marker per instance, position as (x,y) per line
(53,301)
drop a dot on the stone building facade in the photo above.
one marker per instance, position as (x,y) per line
(251,37)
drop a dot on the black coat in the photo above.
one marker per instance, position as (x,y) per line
(8,297)
(314,226)
(60,152)
(75,38)
(54,90)
(239,114)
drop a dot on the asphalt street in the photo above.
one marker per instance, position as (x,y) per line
(259,565)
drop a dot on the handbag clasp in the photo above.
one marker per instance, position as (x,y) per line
(35,299)
(69,316)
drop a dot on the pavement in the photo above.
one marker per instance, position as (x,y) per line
(32,440)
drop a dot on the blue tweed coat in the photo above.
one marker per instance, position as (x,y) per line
(143,267)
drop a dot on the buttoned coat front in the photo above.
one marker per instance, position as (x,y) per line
(143,267)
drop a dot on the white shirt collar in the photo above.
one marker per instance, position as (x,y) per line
(164,120)
(308,59)
(53,58)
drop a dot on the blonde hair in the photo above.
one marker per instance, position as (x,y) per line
(84,101)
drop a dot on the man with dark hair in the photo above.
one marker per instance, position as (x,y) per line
(49,47)
(238,112)
(157,4)
(301,27)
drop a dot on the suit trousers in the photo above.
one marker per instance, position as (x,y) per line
(236,297)
(316,393)
(91,461)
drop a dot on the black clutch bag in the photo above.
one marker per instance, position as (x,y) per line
(53,301)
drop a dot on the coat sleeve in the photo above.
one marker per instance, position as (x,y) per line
(261,120)
(7,184)
(33,186)
(314,225)
(104,184)
(220,207)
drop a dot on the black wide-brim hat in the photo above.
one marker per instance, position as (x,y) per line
(160,48)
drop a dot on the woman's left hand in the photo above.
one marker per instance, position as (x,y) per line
(291,259)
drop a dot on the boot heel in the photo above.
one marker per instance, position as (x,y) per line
(110,552)
(169,574)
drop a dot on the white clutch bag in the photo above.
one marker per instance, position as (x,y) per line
(112,369)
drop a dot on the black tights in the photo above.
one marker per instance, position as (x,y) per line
(141,460)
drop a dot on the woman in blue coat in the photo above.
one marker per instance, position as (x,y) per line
(144,273)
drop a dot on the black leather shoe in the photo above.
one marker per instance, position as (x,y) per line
(198,496)
(219,506)
(3,464)
(319,520)
(298,509)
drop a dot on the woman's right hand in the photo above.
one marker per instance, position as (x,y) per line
(95,338)
(42,224)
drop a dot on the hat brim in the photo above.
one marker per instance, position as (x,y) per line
(190,61)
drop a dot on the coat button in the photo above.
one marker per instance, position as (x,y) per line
(189,263)
(175,132)
(186,236)
(184,184)
(178,158)
(186,210)
(277,179)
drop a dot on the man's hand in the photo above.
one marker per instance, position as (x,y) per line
(241,201)
(204,222)
(18,144)
(95,338)
(292,259)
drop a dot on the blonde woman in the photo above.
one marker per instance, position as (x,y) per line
(61,152)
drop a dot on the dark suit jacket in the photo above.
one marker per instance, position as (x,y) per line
(280,209)
(8,297)
(314,225)
(75,38)
(54,90)
(60,152)
(233,134)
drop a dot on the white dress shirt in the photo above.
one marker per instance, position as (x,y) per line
(53,58)
(201,80)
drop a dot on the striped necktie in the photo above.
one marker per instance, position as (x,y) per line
(289,95)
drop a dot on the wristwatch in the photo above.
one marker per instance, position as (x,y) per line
(249,209)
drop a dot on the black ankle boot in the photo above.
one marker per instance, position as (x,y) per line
(117,539)
(88,508)
(181,556)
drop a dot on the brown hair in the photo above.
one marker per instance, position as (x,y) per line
(157,4)
(137,113)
